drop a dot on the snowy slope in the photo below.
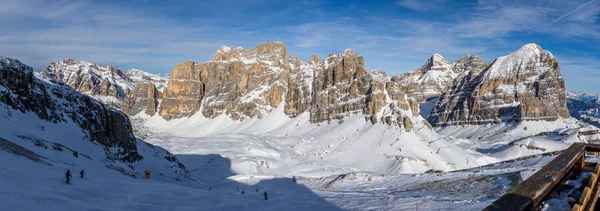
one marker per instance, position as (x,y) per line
(283,146)
(51,122)
(35,186)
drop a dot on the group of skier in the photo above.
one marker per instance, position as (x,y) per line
(238,189)
(68,175)
(82,172)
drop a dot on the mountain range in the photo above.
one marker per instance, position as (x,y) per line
(264,113)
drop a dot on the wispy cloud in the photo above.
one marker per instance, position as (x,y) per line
(417,5)
(571,12)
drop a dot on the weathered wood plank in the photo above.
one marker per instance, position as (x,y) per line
(592,181)
(585,196)
(592,148)
(529,193)
(576,207)
(594,196)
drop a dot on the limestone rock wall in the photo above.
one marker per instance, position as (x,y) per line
(143,97)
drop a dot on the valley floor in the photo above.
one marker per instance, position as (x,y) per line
(27,185)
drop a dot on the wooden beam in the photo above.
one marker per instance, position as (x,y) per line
(592,148)
(585,197)
(594,198)
(528,194)
(595,189)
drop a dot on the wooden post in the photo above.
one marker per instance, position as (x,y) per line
(593,185)
(580,164)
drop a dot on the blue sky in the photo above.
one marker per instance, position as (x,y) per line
(396,36)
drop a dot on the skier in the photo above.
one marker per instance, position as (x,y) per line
(68,175)
(81,173)
(242,192)
(265,194)
(294,179)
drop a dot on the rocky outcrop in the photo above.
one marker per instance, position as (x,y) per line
(300,79)
(340,87)
(184,92)
(106,83)
(525,85)
(429,81)
(239,83)
(143,97)
(26,91)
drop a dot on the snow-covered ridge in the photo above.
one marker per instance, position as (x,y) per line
(6,62)
(137,76)
(527,56)
(273,53)
(103,82)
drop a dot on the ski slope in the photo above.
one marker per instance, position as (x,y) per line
(29,185)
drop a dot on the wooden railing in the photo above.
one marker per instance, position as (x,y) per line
(529,194)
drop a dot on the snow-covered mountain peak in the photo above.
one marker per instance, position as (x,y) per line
(524,85)
(437,57)
(6,62)
(224,49)
(436,63)
(348,51)
(529,60)
(531,47)
(468,57)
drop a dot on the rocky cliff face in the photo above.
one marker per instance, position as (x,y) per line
(106,83)
(300,83)
(244,83)
(184,91)
(26,91)
(525,85)
(239,83)
(340,87)
(144,97)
